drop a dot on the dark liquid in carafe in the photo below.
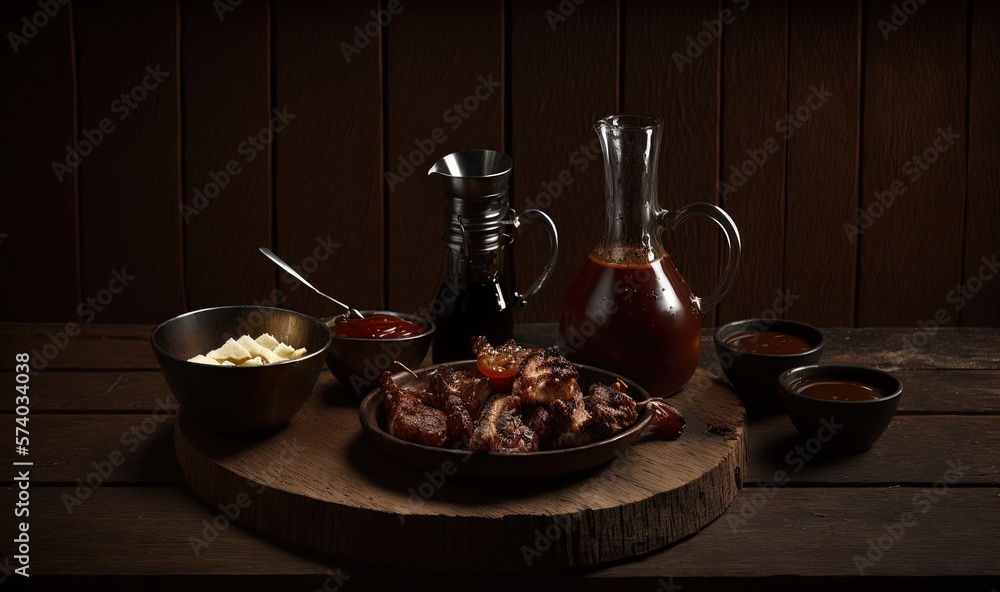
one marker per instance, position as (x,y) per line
(635,320)
(467,312)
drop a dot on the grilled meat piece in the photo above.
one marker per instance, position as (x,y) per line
(545,376)
(611,410)
(510,352)
(446,382)
(500,428)
(410,418)
(538,418)
(572,420)
(459,422)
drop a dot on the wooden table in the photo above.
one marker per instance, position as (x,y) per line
(928,492)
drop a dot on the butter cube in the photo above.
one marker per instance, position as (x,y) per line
(285,351)
(268,341)
(257,350)
(230,351)
(200,359)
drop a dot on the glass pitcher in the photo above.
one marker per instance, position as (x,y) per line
(629,310)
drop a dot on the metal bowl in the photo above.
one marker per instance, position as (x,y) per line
(240,399)
(358,362)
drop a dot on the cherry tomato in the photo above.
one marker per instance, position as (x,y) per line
(499,369)
(669,421)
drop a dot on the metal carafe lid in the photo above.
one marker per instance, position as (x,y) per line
(477,207)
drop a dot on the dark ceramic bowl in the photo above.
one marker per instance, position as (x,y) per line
(357,362)
(848,426)
(500,465)
(754,376)
(240,399)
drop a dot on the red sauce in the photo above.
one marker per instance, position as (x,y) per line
(635,320)
(768,342)
(835,389)
(379,326)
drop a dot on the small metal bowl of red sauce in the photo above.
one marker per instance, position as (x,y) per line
(754,352)
(846,408)
(364,348)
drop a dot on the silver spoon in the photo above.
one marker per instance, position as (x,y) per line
(291,271)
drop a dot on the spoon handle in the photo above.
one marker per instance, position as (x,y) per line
(291,271)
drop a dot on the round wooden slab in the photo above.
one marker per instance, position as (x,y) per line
(320,483)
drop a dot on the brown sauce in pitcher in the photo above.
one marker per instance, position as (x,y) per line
(637,320)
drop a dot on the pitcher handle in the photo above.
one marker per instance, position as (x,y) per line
(522,299)
(669,220)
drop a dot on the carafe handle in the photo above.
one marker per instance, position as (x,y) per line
(522,299)
(669,220)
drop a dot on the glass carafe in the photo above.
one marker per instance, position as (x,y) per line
(629,310)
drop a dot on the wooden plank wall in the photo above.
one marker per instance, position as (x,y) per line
(308,127)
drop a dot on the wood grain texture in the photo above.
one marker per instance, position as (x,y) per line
(38,213)
(660,76)
(754,98)
(129,185)
(822,136)
(915,449)
(821,529)
(96,392)
(123,348)
(437,55)
(927,391)
(982,214)
(564,77)
(328,162)
(323,477)
(227,164)
(915,91)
